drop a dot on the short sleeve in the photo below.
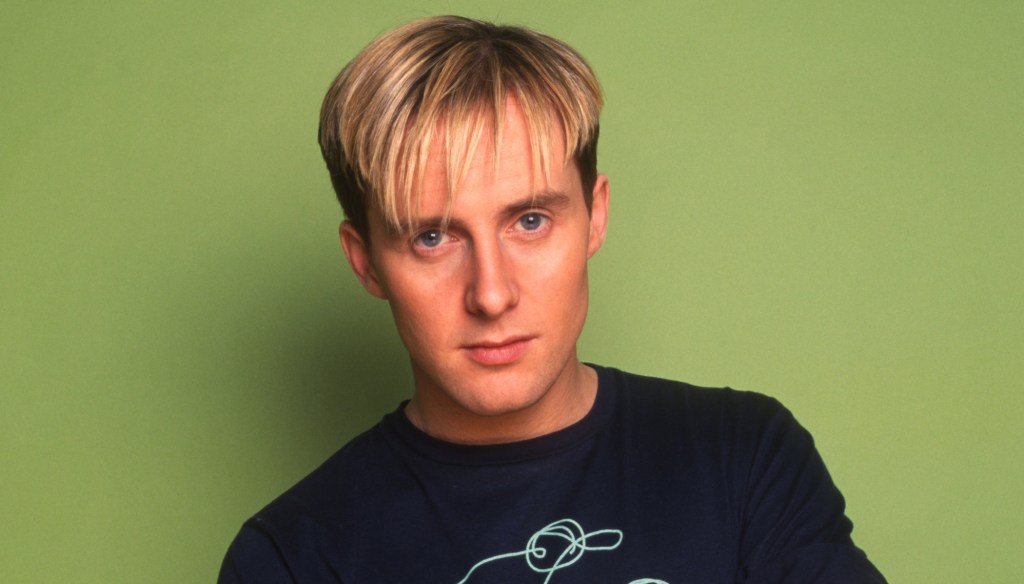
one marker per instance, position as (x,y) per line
(253,559)
(795,527)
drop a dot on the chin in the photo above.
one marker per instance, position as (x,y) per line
(497,399)
(484,391)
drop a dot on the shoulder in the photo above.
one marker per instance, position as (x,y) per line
(712,427)
(325,496)
(344,473)
(655,398)
(298,533)
(745,452)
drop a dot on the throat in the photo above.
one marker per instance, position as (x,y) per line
(457,418)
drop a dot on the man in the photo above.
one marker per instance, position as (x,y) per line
(464,157)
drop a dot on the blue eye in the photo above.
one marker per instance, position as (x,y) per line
(430,238)
(532,221)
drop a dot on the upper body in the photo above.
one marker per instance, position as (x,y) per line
(659,482)
(464,156)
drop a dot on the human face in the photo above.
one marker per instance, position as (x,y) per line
(491,305)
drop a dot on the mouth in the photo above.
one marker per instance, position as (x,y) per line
(503,352)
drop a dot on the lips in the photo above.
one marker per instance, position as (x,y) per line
(502,352)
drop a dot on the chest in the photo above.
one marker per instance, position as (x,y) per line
(590,515)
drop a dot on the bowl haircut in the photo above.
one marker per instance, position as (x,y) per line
(449,78)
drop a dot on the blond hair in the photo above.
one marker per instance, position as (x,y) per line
(448,78)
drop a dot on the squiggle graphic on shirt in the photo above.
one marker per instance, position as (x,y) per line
(570,534)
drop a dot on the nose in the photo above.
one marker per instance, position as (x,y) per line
(492,287)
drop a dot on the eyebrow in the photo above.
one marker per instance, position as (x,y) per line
(549,199)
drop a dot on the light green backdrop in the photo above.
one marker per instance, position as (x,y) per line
(817,200)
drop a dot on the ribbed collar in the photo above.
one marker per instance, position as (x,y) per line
(404,435)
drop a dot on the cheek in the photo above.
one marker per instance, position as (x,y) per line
(422,329)
(556,286)
(416,308)
(563,270)
(425,305)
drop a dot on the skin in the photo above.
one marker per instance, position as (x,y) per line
(491,306)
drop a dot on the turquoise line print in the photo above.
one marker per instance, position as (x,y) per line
(569,535)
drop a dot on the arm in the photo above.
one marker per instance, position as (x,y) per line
(795,527)
(253,558)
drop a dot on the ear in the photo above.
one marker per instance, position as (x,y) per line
(357,252)
(598,214)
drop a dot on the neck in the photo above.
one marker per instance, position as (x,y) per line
(562,404)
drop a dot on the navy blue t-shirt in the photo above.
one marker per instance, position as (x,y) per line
(661,482)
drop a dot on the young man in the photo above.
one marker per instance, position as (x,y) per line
(464,156)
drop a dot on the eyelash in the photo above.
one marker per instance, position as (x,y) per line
(439,236)
(541,219)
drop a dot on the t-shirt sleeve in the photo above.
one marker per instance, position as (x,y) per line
(795,527)
(253,558)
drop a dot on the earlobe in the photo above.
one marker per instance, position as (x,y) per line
(598,214)
(357,252)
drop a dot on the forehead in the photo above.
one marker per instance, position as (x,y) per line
(508,151)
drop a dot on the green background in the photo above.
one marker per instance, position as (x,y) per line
(816,200)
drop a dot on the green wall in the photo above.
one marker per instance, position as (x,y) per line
(816,200)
